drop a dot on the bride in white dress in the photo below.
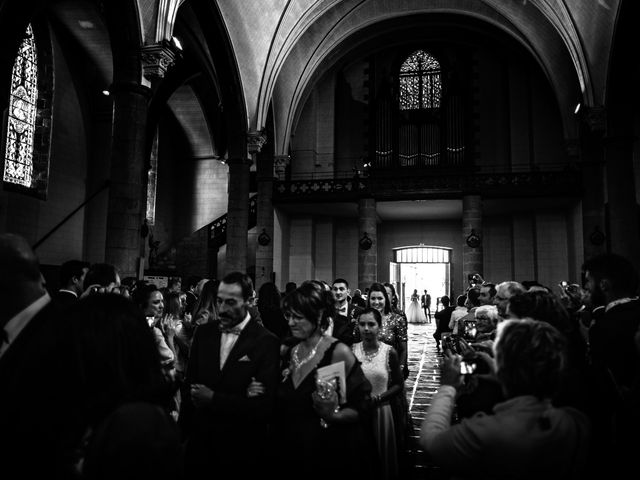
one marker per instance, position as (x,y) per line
(415,313)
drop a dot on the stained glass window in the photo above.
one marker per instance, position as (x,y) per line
(152,182)
(18,165)
(420,85)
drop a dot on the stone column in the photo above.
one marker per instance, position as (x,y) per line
(471,231)
(237,215)
(621,198)
(264,226)
(593,203)
(367,237)
(127,198)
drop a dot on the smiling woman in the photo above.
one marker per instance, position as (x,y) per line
(310,420)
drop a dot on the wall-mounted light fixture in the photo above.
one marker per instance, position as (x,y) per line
(473,240)
(365,242)
(264,239)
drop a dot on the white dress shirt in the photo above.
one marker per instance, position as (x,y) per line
(228,340)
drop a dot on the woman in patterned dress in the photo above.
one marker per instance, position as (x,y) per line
(381,366)
(394,329)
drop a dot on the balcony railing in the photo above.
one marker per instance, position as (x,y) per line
(490,181)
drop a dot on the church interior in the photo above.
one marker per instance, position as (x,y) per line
(320,139)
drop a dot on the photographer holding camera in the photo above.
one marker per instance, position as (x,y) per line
(524,436)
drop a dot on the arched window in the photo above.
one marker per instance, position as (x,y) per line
(420,85)
(18,167)
(28,133)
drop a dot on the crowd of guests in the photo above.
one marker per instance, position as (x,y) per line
(110,378)
(539,382)
(117,378)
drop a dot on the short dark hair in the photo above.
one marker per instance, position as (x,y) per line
(241,279)
(461,300)
(492,288)
(191,281)
(376,314)
(142,294)
(290,287)
(445,300)
(174,281)
(473,294)
(70,269)
(101,274)
(340,280)
(618,270)
(379,287)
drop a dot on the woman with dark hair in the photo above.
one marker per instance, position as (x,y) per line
(394,327)
(269,299)
(317,425)
(206,308)
(381,366)
(150,300)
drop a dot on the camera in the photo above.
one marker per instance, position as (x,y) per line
(470,329)
(467,367)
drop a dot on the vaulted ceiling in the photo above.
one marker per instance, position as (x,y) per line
(283,46)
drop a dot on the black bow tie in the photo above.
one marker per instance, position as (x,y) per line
(231,330)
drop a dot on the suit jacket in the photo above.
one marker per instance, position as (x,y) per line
(35,440)
(425,300)
(344,327)
(64,299)
(218,432)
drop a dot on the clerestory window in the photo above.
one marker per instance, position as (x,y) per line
(28,133)
(420,82)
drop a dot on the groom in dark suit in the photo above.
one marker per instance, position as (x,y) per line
(219,417)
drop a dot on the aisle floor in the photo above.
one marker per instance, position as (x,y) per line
(422,384)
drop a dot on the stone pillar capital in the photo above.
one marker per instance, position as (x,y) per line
(156,59)
(255,141)
(280,164)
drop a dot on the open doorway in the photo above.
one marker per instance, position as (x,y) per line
(432,277)
(421,268)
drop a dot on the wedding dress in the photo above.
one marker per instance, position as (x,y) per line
(415,313)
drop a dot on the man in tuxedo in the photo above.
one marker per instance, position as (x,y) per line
(34,441)
(72,275)
(344,323)
(219,416)
(426,305)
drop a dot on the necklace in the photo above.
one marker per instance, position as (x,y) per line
(297,363)
(370,356)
